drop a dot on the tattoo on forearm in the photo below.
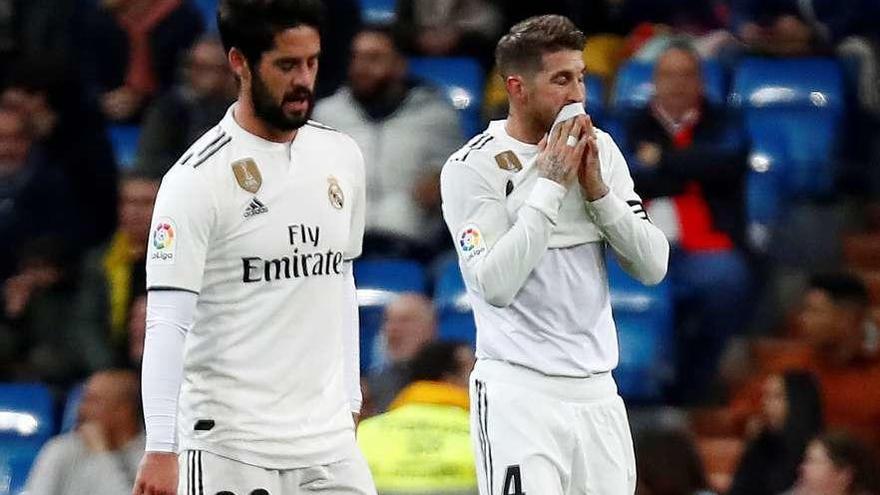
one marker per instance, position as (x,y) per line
(554,169)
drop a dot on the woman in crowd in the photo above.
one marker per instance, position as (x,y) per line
(838,464)
(791,416)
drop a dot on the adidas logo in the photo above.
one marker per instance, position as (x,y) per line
(255,208)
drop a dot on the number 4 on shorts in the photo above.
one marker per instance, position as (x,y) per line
(513,481)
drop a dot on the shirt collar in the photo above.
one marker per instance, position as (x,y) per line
(499,131)
(673,126)
(232,127)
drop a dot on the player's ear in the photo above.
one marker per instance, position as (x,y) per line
(239,64)
(515,87)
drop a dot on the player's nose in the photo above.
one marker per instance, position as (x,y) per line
(578,93)
(301,78)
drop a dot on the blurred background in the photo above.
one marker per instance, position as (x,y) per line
(751,128)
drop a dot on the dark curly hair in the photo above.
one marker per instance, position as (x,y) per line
(521,49)
(251,25)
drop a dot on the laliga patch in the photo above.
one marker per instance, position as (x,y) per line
(163,242)
(471,243)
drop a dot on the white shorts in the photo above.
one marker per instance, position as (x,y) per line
(204,473)
(541,435)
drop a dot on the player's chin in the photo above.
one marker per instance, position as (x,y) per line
(296,120)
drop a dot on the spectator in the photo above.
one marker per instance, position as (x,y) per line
(114,275)
(70,130)
(690,16)
(774,27)
(422,444)
(839,345)
(791,417)
(101,455)
(410,324)
(137,331)
(43,335)
(689,160)
(406,131)
(800,27)
(38,29)
(46,337)
(450,27)
(835,320)
(838,464)
(668,464)
(34,197)
(176,119)
(131,50)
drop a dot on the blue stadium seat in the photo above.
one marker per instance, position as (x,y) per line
(26,422)
(208,9)
(797,105)
(71,407)
(455,317)
(765,188)
(616,127)
(124,139)
(634,86)
(645,331)
(378,11)
(462,79)
(379,282)
(595,98)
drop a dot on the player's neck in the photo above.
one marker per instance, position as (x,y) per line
(247,119)
(523,129)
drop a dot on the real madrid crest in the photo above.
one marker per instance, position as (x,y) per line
(247,174)
(334,192)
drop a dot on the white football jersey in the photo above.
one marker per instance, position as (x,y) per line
(260,231)
(533,253)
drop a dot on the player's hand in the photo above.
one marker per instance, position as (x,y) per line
(649,154)
(157,474)
(560,153)
(590,171)
(121,103)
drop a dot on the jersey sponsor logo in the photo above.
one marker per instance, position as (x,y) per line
(306,259)
(247,174)
(471,242)
(255,207)
(164,242)
(334,192)
(507,160)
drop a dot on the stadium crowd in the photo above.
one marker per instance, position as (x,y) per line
(774,383)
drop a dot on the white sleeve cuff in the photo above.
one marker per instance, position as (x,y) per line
(607,210)
(546,197)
